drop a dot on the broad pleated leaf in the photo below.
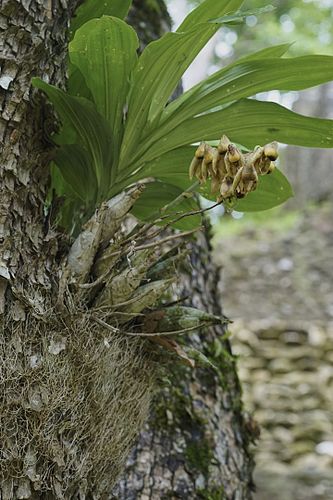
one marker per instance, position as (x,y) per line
(85,126)
(156,196)
(241,15)
(160,68)
(255,122)
(248,78)
(75,165)
(202,14)
(248,122)
(92,9)
(269,52)
(273,51)
(76,84)
(72,207)
(104,50)
(59,184)
(273,190)
(208,10)
(172,167)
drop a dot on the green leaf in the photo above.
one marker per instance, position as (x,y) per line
(92,9)
(273,190)
(243,79)
(76,85)
(104,50)
(241,15)
(274,51)
(160,68)
(206,11)
(255,122)
(75,165)
(68,208)
(59,184)
(248,122)
(250,77)
(172,167)
(85,127)
(156,196)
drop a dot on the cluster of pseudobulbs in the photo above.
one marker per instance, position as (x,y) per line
(233,174)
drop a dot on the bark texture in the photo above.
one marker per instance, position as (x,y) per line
(33,43)
(196,443)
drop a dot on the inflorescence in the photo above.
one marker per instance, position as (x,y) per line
(233,174)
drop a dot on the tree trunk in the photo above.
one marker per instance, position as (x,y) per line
(74,397)
(196,443)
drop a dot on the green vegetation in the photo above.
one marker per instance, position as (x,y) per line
(307,23)
(211,494)
(276,220)
(118,127)
(199,455)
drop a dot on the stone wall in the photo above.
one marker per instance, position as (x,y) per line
(277,286)
(287,374)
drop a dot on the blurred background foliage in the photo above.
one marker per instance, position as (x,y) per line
(307,22)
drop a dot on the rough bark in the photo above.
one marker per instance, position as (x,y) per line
(194,447)
(196,443)
(33,43)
